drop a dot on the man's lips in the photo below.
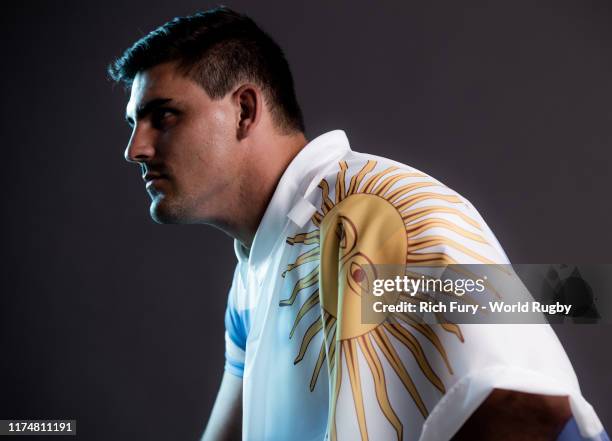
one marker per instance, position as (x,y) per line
(151,175)
(153,178)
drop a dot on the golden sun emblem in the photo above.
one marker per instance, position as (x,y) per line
(371,222)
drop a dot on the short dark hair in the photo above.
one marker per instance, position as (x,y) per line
(218,48)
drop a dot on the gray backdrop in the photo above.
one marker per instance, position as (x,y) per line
(117,322)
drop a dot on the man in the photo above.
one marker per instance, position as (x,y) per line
(219,138)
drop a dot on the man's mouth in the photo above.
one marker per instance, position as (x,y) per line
(153,179)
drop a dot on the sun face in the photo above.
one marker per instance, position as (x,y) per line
(371,222)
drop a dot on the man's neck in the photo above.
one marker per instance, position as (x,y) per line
(261,178)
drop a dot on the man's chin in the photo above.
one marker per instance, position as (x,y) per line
(164,213)
(164,210)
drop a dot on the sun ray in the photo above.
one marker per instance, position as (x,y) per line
(317,368)
(417,213)
(312,301)
(418,227)
(405,189)
(310,279)
(309,256)
(331,349)
(429,259)
(372,180)
(396,363)
(429,334)
(352,364)
(356,179)
(340,181)
(409,201)
(313,329)
(449,326)
(414,346)
(380,384)
(306,238)
(329,323)
(326,204)
(384,186)
(430,241)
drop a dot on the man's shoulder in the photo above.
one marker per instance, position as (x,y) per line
(431,212)
(369,173)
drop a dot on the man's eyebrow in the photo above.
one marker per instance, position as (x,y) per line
(145,109)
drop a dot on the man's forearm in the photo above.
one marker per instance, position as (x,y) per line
(225,422)
(514,416)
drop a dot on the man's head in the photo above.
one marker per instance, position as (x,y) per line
(204,89)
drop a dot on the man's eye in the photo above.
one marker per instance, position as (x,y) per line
(160,118)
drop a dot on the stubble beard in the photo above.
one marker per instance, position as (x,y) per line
(164,210)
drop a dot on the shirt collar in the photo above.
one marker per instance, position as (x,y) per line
(305,166)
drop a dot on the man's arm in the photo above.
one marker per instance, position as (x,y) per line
(515,416)
(225,422)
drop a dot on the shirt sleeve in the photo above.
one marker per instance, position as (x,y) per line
(411,380)
(236,331)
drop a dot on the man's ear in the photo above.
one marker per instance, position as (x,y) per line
(248,101)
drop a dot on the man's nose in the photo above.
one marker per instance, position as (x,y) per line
(140,147)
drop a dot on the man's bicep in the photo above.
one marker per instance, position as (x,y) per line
(225,422)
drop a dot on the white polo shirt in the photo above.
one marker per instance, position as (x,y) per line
(311,370)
